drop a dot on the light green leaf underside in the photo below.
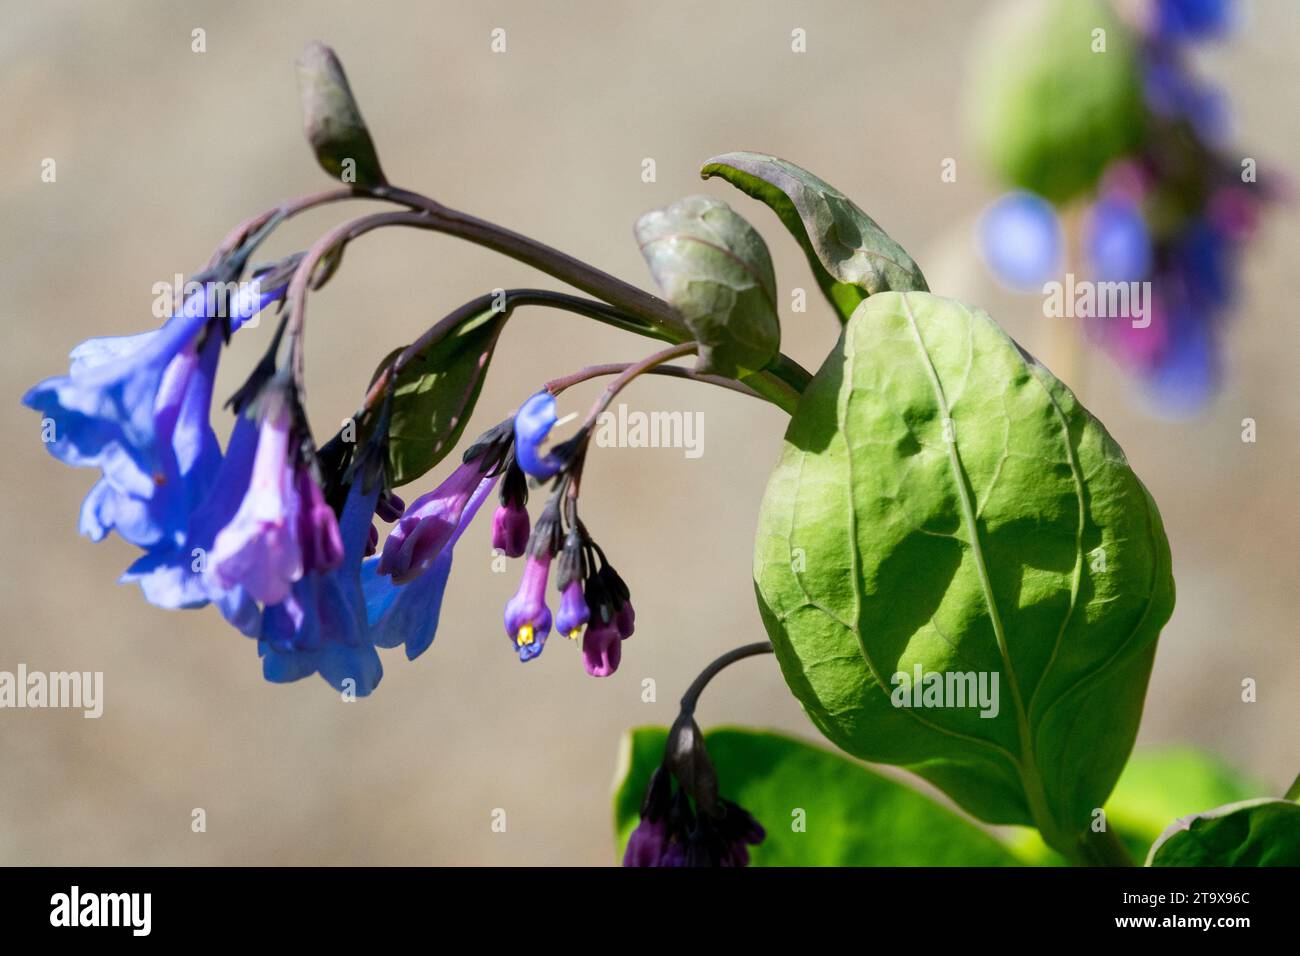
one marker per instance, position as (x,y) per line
(716,271)
(850,815)
(882,545)
(850,255)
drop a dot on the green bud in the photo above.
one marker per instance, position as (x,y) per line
(332,120)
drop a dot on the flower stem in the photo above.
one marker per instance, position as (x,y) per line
(692,695)
(631,372)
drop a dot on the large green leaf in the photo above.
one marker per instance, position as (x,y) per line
(435,394)
(850,815)
(851,256)
(1157,786)
(943,501)
(1046,111)
(1250,833)
(716,271)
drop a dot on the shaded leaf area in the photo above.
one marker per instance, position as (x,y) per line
(850,255)
(850,815)
(435,394)
(942,501)
(1156,786)
(1250,833)
(716,271)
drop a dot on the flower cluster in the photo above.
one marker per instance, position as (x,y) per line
(1174,214)
(595,603)
(690,825)
(268,529)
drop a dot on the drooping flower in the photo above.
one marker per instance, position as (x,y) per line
(321,626)
(527,618)
(408,613)
(137,407)
(674,833)
(533,422)
(260,549)
(423,531)
(510,523)
(174,576)
(602,648)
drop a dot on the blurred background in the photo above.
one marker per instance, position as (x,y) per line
(160,150)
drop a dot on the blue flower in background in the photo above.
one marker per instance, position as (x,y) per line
(1020,237)
(1117,241)
(1193,19)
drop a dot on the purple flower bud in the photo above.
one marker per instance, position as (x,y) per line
(318,528)
(389,507)
(625,620)
(533,422)
(573,614)
(427,525)
(602,649)
(527,618)
(259,549)
(510,527)
(372,541)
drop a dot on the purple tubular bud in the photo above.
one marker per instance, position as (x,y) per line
(602,649)
(427,525)
(573,614)
(510,527)
(389,507)
(318,528)
(372,541)
(625,620)
(527,618)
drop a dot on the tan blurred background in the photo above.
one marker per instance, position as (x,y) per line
(160,150)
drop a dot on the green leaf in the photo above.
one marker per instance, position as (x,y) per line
(943,502)
(851,816)
(332,120)
(1046,112)
(1155,787)
(435,394)
(851,256)
(1262,832)
(715,270)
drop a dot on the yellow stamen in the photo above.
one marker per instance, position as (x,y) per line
(525,635)
(575,633)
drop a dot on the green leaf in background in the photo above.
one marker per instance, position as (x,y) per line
(716,271)
(332,120)
(1156,786)
(850,815)
(851,256)
(942,501)
(1250,833)
(1046,112)
(435,395)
